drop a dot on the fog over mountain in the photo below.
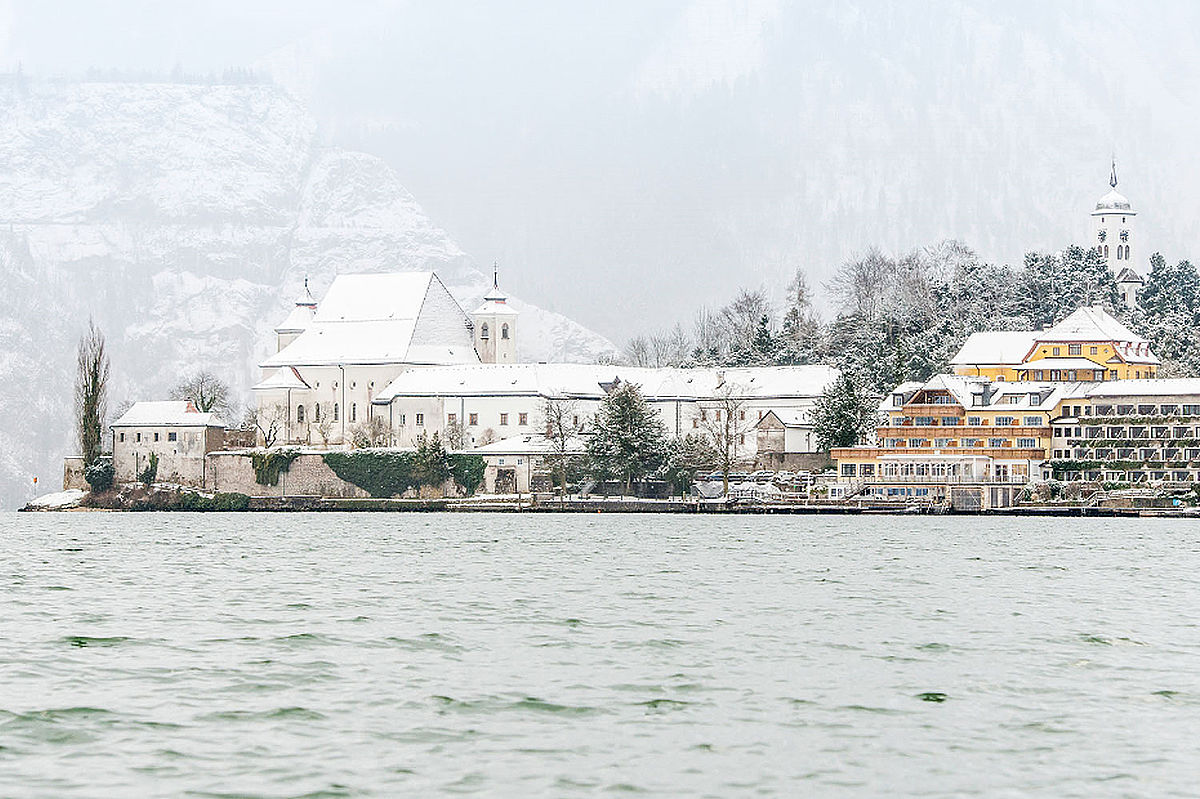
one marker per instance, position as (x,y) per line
(626,163)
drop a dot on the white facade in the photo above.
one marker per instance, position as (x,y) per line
(495,327)
(175,432)
(1114,236)
(333,360)
(494,402)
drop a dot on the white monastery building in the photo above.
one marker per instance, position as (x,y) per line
(175,432)
(399,350)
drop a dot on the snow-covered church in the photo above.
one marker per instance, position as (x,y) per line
(396,353)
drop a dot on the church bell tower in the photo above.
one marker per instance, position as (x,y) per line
(1114,238)
(495,326)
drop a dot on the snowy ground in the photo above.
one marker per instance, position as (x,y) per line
(59,500)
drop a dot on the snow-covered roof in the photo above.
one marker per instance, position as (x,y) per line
(995,347)
(297,320)
(528,444)
(1089,323)
(169,413)
(1169,387)
(585,381)
(283,378)
(498,307)
(1011,395)
(788,417)
(1114,201)
(386,318)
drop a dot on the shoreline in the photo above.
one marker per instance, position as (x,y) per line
(312,504)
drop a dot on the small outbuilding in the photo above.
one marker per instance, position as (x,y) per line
(175,431)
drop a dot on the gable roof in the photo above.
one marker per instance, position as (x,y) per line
(995,347)
(170,413)
(384,318)
(1127,275)
(1089,323)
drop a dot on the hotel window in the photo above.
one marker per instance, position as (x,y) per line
(472,419)
(1054,374)
(974,421)
(847,470)
(1033,421)
(1074,349)
(504,418)
(1037,374)
(1095,350)
(995,443)
(1004,421)
(941,442)
(1112,374)
(522,418)
(172,437)
(1056,351)
(420,420)
(1027,443)
(1071,375)
(867,470)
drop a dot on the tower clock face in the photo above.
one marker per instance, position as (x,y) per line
(1124,235)
(1102,235)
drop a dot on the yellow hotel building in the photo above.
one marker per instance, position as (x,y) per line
(977,436)
(1088,346)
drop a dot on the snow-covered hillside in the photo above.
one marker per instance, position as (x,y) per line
(184,219)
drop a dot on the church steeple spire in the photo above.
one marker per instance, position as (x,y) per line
(1112,181)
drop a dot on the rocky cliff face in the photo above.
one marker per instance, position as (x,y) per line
(183,219)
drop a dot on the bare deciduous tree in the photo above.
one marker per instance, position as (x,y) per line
(371,434)
(91,392)
(561,417)
(323,421)
(207,392)
(724,420)
(269,423)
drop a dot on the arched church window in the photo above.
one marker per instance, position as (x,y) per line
(1126,252)
(483,331)
(1120,253)
(335,411)
(300,414)
(1105,250)
(504,332)
(317,412)
(354,411)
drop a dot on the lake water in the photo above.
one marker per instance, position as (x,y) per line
(536,655)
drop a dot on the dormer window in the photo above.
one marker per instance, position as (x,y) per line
(483,331)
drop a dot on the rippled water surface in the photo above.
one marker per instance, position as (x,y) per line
(530,655)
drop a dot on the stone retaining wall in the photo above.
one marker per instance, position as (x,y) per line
(308,475)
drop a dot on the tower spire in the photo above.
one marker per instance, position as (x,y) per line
(1112,181)
(495,274)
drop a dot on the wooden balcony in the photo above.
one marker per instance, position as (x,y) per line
(1003,453)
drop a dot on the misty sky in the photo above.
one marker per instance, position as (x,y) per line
(629,162)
